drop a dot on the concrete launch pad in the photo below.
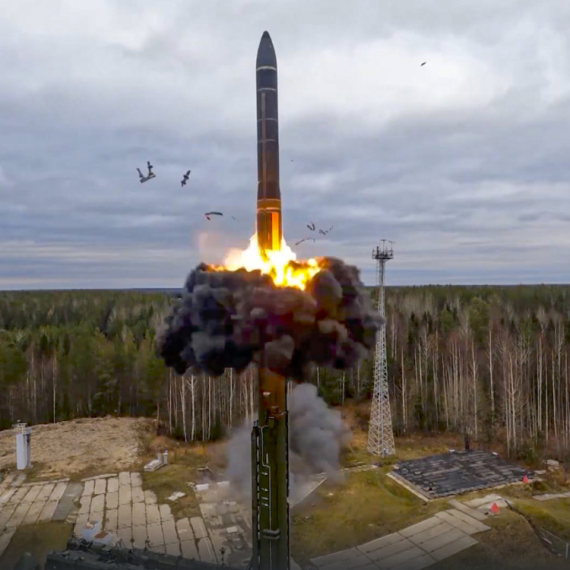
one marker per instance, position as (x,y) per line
(457,472)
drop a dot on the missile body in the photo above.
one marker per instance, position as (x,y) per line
(268,192)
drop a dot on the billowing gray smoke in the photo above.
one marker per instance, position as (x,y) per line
(316,437)
(225,317)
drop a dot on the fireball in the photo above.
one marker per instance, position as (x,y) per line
(281,265)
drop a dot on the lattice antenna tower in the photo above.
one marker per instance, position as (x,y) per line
(380,433)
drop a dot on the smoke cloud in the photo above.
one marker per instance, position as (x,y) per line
(225,317)
(317,435)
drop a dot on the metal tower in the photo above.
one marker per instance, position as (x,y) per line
(380,434)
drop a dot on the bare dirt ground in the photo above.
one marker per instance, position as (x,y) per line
(80,446)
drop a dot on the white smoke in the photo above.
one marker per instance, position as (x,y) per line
(316,436)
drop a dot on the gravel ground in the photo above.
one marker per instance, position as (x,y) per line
(62,449)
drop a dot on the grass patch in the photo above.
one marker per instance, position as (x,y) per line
(38,540)
(183,466)
(366,506)
(553,516)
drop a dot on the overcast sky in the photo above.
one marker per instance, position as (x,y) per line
(463,162)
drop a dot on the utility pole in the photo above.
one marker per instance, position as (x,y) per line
(380,433)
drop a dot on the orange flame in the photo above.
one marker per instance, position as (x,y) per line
(281,265)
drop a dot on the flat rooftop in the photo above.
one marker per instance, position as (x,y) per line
(457,472)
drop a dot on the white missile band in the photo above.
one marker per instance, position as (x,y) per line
(267,89)
(266,67)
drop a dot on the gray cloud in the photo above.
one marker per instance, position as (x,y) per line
(462,162)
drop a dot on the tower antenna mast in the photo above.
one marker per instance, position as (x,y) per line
(380,433)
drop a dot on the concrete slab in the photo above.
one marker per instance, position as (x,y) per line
(330,559)
(149,497)
(136,480)
(32,494)
(483,500)
(113,485)
(433,532)
(454,547)
(34,513)
(126,535)
(380,543)
(355,563)
(89,488)
(111,519)
(124,495)
(401,558)
(112,500)
(104,476)
(125,478)
(45,492)
(48,511)
(80,523)
(100,487)
(478,526)
(58,492)
(416,563)
(152,514)
(198,527)
(18,480)
(165,513)
(173,549)
(169,532)
(6,496)
(67,501)
(391,550)
(155,535)
(5,539)
(97,504)
(20,493)
(419,527)
(6,514)
(474,513)
(442,540)
(140,536)
(184,530)
(125,516)
(18,516)
(206,551)
(139,514)
(189,549)
(137,495)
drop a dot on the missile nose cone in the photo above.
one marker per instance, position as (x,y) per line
(266,52)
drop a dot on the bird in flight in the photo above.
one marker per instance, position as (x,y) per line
(423,63)
(185,178)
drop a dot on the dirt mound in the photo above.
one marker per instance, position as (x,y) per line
(78,446)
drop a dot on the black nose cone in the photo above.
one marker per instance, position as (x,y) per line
(266,52)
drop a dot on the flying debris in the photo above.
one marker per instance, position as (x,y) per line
(423,63)
(322,232)
(208,214)
(305,239)
(150,174)
(311,226)
(325,232)
(233,218)
(185,178)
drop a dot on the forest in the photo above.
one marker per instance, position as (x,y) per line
(489,361)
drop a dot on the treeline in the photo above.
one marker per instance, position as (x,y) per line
(491,361)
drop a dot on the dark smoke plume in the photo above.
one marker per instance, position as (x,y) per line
(225,317)
(316,436)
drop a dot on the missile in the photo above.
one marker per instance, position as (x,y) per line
(268,193)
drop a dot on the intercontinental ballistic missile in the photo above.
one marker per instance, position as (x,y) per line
(268,191)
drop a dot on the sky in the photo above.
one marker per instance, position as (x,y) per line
(463,162)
